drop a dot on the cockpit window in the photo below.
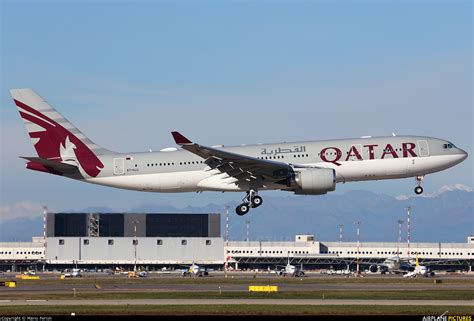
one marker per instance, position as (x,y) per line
(448,146)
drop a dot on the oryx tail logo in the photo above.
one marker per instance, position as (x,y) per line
(56,143)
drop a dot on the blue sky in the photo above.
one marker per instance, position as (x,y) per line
(128,73)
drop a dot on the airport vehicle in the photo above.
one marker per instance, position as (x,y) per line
(332,271)
(76,273)
(195,271)
(140,274)
(30,272)
(305,168)
(291,270)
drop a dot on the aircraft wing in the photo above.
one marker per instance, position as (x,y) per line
(241,167)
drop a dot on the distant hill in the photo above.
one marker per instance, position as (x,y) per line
(447,216)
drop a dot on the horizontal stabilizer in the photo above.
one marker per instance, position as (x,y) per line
(59,167)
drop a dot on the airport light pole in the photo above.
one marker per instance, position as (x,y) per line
(340,232)
(45,213)
(400,222)
(226,267)
(248,230)
(358,246)
(408,230)
(135,243)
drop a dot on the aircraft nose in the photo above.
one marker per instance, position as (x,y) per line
(463,153)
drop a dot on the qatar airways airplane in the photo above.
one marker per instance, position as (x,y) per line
(306,168)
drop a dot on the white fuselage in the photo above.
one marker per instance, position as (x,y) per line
(353,160)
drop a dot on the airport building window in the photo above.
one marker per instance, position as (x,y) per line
(208,242)
(61,242)
(159,242)
(86,242)
(111,242)
(184,242)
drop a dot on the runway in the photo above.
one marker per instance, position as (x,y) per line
(126,302)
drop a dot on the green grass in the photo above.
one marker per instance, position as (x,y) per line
(341,294)
(233,310)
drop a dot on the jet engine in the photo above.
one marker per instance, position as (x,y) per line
(314,181)
(374,268)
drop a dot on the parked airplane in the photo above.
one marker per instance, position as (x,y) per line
(291,270)
(194,270)
(306,168)
(419,270)
(394,265)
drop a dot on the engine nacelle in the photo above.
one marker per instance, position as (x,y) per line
(374,268)
(314,181)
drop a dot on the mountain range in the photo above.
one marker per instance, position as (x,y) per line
(447,216)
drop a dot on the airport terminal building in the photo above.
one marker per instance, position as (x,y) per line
(154,240)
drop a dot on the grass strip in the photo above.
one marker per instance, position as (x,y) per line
(233,310)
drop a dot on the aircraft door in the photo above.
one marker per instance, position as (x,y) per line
(423,148)
(119,168)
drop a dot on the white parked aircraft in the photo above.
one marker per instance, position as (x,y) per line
(307,168)
(420,270)
(291,270)
(194,270)
(395,264)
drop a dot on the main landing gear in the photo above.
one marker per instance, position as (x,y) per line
(249,201)
(418,188)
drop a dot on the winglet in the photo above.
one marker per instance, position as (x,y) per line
(180,139)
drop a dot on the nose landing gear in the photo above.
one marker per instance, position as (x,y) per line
(418,188)
(249,201)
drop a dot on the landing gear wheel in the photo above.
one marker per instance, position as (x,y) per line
(418,190)
(242,209)
(256,201)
